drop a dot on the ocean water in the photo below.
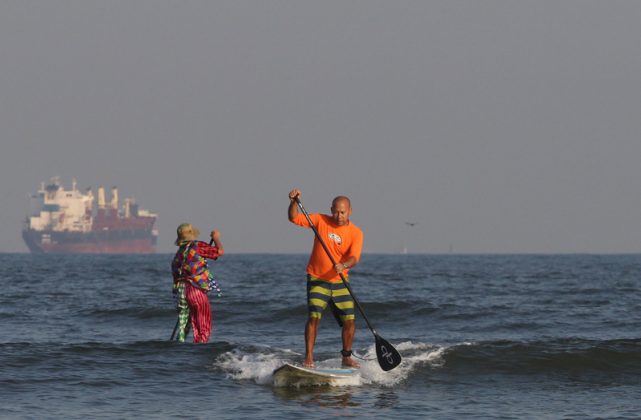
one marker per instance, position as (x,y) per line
(482,336)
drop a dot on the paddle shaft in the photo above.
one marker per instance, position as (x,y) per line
(331,258)
(173,333)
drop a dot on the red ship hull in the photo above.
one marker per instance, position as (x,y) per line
(122,242)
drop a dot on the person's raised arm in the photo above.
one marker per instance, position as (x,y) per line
(215,236)
(292,210)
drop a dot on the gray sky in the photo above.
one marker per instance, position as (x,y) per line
(498,126)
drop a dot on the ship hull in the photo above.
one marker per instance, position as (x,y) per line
(105,242)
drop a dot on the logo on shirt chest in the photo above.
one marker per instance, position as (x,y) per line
(336,238)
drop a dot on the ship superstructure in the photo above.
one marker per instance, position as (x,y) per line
(66,221)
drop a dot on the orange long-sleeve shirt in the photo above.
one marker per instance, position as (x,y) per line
(342,241)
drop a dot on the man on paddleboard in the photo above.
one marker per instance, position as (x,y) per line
(345,242)
(193,280)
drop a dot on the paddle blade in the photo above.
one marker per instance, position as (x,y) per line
(386,354)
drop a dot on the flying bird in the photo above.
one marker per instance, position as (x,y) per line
(411,224)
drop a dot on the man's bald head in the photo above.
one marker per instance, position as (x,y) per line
(342,199)
(341,210)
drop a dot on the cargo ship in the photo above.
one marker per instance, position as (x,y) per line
(66,221)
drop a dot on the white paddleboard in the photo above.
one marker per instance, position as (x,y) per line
(292,375)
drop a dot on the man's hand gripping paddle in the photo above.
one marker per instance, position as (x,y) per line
(388,357)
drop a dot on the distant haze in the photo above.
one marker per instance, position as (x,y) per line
(496,126)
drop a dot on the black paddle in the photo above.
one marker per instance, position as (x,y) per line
(173,333)
(388,357)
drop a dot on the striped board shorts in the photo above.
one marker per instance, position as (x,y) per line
(319,292)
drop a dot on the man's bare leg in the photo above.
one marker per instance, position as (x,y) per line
(311,329)
(349,327)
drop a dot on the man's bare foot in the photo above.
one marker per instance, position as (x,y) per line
(308,363)
(349,362)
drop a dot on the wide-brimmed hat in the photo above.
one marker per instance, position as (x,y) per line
(185,233)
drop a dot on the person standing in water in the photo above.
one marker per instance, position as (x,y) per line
(193,280)
(345,242)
